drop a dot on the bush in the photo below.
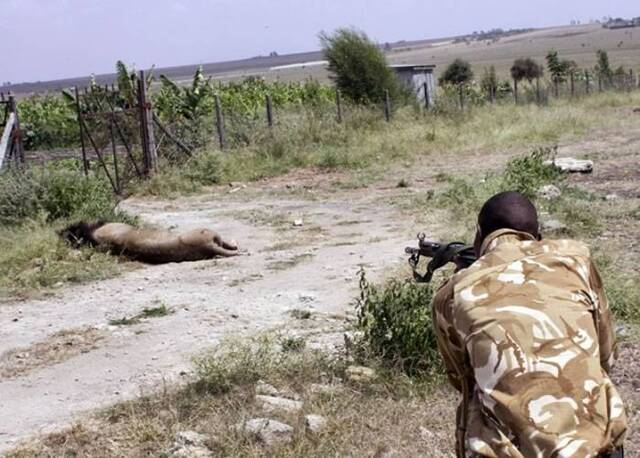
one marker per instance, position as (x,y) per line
(526,69)
(358,67)
(528,173)
(397,326)
(55,192)
(458,72)
(47,122)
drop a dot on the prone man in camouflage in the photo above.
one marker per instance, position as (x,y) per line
(527,338)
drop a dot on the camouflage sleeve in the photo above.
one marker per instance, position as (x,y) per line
(448,340)
(604,320)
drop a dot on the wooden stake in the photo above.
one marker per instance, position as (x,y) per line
(219,121)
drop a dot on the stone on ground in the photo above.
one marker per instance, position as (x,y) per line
(553,226)
(549,192)
(277,404)
(315,423)
(572,165)
(190,444)
(265,388)
(266,430)
(360,374)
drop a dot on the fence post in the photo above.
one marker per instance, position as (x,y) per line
(338,107)
(387,106)
(146,128)
(515,90)
(269,111)
(572,83)
(112,137)
(556,86)
(219,121)
(17,136)
(538,95)
(85,163)
(426,96)
(599,82)
(461,95)
(630,80)
(586,82)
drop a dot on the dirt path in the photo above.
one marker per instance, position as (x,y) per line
(311,267)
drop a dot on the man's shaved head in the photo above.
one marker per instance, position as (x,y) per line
(507,210)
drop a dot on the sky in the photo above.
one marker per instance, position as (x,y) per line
(52,39)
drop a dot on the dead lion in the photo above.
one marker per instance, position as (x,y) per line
(148,245)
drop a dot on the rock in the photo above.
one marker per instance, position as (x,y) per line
(266,430)
(621,330)
(322,389)
(315,423)
(360,374)
(425,434)
(306,297)
(297,222)
(276,404)
(553,226)
(572,165)
(549,192)
(190,444)
(611,197)
(263,387)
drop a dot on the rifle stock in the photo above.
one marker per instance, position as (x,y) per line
(441,254)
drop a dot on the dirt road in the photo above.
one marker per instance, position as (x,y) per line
(310,267)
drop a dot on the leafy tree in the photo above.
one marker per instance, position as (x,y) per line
(603,68)
(556,67)
(358,67)
(459,72)
(527,69)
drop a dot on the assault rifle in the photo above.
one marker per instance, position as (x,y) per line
(441,254)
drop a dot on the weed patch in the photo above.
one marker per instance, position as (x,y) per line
(147,312)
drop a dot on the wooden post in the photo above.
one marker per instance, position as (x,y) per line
(586,82)
(219,121)
(387,106)
(538,94)
(146,121)
(85,162)
(338,107)
(572,84)
(426,96)
(599,82)
(17,134)
(269,111)
(515,90)
(630,80)
(115,155)
(461,95)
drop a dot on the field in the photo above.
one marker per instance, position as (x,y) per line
(578,43)
(101,356)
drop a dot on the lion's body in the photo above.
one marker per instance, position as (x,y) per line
(151,246)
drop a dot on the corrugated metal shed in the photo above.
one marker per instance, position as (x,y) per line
(419,78)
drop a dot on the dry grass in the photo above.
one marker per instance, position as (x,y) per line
(364,419)
(57,348)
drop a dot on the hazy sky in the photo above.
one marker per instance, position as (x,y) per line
(47,39)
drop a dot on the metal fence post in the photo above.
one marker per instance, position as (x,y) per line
(219,121)
(426,96)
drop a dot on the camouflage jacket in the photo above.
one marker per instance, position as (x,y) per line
(527,337)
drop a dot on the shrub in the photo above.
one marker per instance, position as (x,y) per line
(457,73)
(396,324)
(528,173)
(47,122)
(55,191)
(358,67)
(526,69)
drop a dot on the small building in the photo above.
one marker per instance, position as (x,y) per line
(416,78)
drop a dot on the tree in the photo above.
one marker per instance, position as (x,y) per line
(489,82)
(358,67)
(527,69)
(459,72)
(603,68)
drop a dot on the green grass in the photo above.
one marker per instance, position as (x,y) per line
(147,312)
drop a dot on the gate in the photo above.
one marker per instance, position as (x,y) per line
(11,147)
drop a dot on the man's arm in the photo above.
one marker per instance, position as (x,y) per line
(604,321)
(448,340)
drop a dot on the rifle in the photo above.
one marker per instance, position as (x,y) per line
(441,254)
